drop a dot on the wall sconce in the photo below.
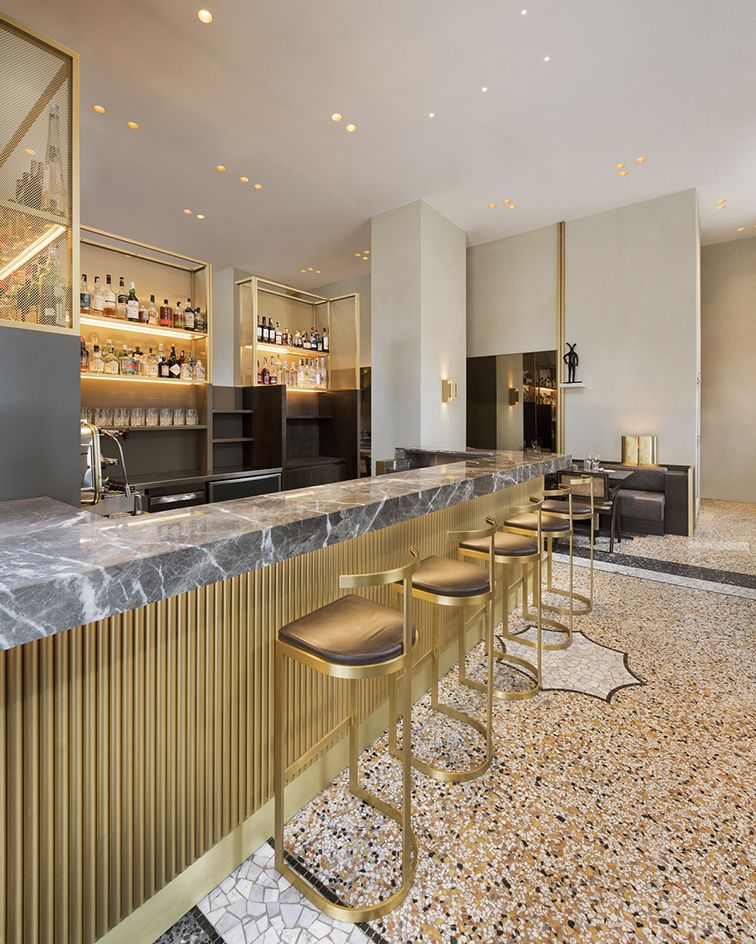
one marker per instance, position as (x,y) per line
(639,450)
(514,396)
(448,391)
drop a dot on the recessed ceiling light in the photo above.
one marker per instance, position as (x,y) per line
(100,109)
(310,268)
(512,206)
(722,206)
(30,151)
(351,128)
(317,271)
(188,212)
(244,180)
(618,166)
(754,226)
(200,216)
(523,12)
(366,252)
(337,116)
(257,186)
(740,229)
(623,173)
(134,125)
(303,270)
(547,58)
(204,16)
(507,201)
(431,114)
(358,254)
(640,160)
(220,167)
(491,206)
(484,88)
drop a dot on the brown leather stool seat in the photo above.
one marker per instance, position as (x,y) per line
(508,545)
(530,522)
(349,631)
(563,507)
(450,578)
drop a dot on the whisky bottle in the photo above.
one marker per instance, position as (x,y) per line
(279,336)
(123,298)
(109,299)
(83,355)
(174,368)
(259,333)
(85,297)
(265,371)
(96,365)
(132,304)
(166,315)
(178,316)
(110,361)
(189,316)
(325,340)
(199,372)
(98,297)
(162,364)
(153,317)
(273,371)
(186,367)
(259,372)
(200,322)
(151,364)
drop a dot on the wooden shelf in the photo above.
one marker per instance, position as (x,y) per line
(296,351)
(138,327)
(133,378)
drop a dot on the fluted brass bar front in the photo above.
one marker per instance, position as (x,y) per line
(114,700)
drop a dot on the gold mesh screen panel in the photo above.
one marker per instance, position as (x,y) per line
(35,180)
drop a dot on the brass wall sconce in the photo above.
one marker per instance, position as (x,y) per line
(448,391)
(639,450)
(514,396)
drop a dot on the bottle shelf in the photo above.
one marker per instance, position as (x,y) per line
(31,211)
(137,327)
(153,429)
(128,378)
(285,349)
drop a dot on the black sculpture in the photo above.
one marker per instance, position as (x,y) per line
(571,359)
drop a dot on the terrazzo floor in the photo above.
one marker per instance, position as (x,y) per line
(619,806)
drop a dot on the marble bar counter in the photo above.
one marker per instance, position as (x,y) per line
(62,567)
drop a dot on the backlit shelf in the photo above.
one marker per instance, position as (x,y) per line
(137,327)
(295,351)
(152,429)
(129,378)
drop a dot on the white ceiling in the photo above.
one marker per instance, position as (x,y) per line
(674,80)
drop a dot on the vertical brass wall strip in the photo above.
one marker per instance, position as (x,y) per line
(560,314)
(131,746)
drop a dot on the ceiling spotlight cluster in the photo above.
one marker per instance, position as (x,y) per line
(363,254)
(337,117)
(102,110)
(506,203)
(722,204)
(621,167)
(199,216)
(311,269)
(222,168)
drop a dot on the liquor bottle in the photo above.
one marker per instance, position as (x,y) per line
(200,322)
(98,297)
(325,340)
(132,304)
(199,372)
(301,373)
(166,315)
(323,373)
(178,316)
(162,364)
(123,298)
(153,317)
(144,312)
(140,359)
(265,371)
(85,297)
(96,365)
(273,371)
(259,372)
(109,299)
(150,364)
(83,356)
(259,332)
(109,358)
(319,341)
(297,339)
(186,367)
(189,316)
(279,336)
(53,190)
(174,369)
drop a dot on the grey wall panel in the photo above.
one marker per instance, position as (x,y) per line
(39,415)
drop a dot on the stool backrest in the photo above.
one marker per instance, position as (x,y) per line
(382,578)
(477,533)
(585,484)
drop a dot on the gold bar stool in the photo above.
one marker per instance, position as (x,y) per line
(446,582)
(550,527)
(352,638)
(581,487)
(511,550)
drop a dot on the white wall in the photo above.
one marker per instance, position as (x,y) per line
(360,284)
(728,371)
(632,307)
(418,291)
(226,328)
(512,294)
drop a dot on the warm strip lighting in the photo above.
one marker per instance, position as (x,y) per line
(33,249)
(127,378)
(117,324)
(204,16)
(100,109)
(134,125)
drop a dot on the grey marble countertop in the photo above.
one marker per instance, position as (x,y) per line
(61,566)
